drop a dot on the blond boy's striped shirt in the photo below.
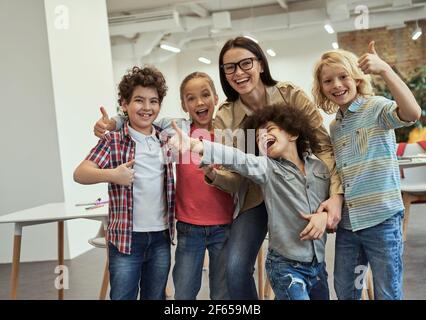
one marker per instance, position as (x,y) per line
(365,149)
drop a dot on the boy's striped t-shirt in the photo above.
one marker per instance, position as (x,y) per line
(365,149)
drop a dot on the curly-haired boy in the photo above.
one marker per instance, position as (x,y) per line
(136,164)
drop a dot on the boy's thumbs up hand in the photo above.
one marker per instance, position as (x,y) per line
(371,63)
(124,174)
(180,142)
(130,163)
(104,114)
(371,48)
(103,124)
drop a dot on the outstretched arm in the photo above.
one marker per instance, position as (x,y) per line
(371,63)
(247,165)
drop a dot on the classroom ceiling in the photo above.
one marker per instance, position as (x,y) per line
(206,23)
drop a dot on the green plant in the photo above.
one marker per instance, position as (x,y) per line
(417,84)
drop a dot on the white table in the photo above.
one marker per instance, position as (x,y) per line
(52,212)
(412,162)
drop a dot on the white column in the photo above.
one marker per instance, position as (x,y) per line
(55,72)
(80,56)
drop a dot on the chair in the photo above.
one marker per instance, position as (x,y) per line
(368,290)
(99,242)
(413,184)
(263,285)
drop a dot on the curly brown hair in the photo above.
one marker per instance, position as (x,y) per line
(291,120)
(147,77)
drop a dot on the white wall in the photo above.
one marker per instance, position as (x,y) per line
(82,81)
(30,167)
(53,81)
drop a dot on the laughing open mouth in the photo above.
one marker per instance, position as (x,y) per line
(202,112)
(269,143)
(242,81)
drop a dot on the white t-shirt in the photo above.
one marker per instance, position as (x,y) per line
(149,205)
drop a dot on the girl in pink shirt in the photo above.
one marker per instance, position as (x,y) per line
(203,212)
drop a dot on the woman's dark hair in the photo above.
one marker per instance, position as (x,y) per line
(146,77)
(253,47)
(291,120)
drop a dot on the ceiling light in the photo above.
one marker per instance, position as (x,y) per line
(335,45)
(271,52)
(328,28)
(251,38)
(204,60)
(417,32)
(169,48)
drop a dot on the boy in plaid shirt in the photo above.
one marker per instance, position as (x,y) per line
(137,165)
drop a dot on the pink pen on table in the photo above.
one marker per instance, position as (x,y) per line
(97,206)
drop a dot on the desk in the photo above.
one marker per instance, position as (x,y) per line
(412,162)
(52,212)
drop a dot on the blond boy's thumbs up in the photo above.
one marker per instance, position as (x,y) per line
(371,63)
(371,48)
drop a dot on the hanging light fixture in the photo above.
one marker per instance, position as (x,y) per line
(204,60)
(328,27)
(271,52)
(169,47)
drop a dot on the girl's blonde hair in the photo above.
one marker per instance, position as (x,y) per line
(349,62)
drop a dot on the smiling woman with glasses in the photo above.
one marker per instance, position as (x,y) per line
(248,85)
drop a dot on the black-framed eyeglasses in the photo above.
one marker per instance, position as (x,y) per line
(244,64)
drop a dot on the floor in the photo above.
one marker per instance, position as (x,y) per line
(85,272)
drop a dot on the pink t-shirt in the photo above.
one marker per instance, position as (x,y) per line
(197,202)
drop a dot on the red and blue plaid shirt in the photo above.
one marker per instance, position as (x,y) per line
(113,150)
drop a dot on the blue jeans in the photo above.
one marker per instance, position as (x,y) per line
(247,234)
(147,267)
(381,246)
(294,280)
(192,243)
